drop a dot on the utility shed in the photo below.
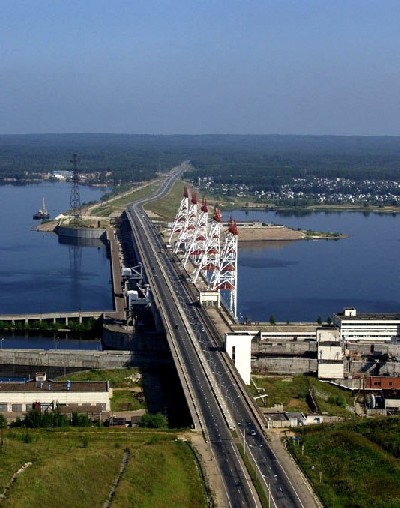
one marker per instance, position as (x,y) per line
(392,400)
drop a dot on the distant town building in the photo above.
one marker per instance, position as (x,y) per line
(62,175)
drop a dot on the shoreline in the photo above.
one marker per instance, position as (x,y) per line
(283,233)
(315,209)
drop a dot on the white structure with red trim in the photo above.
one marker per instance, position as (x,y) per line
(187,232)
(197,246)
(181,216)
(225,276)
(211,256)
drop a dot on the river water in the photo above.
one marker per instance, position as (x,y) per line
(39,274)
(301,280)
(293,281)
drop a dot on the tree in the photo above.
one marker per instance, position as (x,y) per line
(154,421)
(272,320)
(319,320)
(329,320)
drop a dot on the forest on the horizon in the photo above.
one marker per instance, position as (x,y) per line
(239,158)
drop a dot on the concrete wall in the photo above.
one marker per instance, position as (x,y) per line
(284,347)
(330,370)
(84,233)
(69,359)
(284,365)
(329,352)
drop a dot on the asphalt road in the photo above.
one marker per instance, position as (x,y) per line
(212,382)
(237,486)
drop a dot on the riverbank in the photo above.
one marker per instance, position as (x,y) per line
(271,232)
(348,207)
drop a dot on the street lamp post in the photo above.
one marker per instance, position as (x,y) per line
(1,342)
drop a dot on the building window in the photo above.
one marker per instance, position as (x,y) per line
(16,408)
(234,354)
(377,383)
(3,407)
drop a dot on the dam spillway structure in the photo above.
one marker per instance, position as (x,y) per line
(197,242)
(187,232)
(181,215)
(212,252)
(211,255)
(224,278)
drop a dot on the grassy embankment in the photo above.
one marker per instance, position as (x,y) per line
(352,464)
(76,467)
(291,391)
(118,203)
(166,207)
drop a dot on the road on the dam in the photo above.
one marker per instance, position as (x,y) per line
(224,411)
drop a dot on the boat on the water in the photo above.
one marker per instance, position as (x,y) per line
(42,213)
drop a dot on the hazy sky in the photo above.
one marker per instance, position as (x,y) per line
(206,66)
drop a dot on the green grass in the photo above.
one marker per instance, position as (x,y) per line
(125,400)
(122,400)
(163,474)
(167,206)
(291,391)
(254,478)
(106,208)
(76,467)
(350,465)
(119,378)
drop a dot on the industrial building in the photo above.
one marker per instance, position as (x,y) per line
(18,398)
(372,327)
(355,343)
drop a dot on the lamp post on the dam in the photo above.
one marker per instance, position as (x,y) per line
(1,342)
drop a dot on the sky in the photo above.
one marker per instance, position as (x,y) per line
(200,67)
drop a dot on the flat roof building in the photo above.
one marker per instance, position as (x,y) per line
(18,398)
(372,327)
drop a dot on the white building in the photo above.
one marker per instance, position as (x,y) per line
(17,399)
(372,327)
(329,353)
(238,347)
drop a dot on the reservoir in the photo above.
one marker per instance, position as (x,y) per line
(37,273)
(292,281)
(301,280)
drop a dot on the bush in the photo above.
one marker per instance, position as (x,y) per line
(154,421)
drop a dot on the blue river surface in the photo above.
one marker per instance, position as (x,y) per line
(37,273)
(301,280)
(293,281)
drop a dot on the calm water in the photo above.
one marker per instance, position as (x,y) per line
(37,273)
(37,342)
(294,281)
(298,281)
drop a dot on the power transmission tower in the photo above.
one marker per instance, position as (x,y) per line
(75,200)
